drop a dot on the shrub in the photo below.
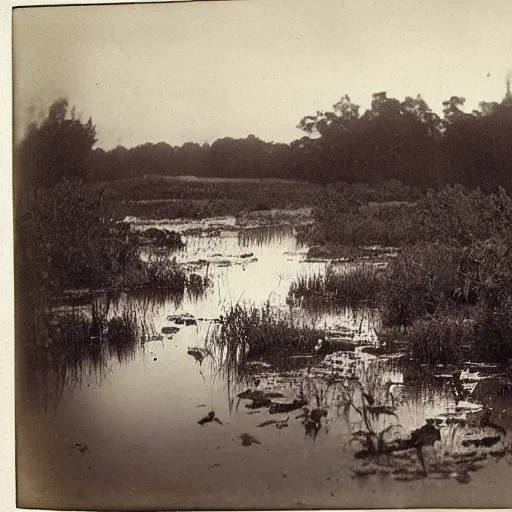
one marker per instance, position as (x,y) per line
(63,240)
(460,216)
(345,219)
(453,215)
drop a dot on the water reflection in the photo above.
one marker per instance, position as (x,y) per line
(264,235)
(79,342)
(404,428)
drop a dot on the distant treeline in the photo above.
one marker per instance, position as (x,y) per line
(392,140)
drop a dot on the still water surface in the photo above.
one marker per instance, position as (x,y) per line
(124,431)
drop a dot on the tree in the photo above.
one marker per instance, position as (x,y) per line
(479,144)
(392,140)
(59,147)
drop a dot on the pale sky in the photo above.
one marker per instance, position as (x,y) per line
(199,71)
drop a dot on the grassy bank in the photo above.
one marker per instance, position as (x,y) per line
(65,241)
(159,197)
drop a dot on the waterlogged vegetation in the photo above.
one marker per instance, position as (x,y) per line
(445,291)
(247,333)
(345,286)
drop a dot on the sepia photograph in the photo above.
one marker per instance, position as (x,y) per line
(262,254)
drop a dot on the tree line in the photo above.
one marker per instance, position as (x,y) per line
(392,140)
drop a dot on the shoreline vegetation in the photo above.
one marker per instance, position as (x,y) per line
(445,294)
(417,204)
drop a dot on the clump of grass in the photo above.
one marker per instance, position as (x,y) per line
(439,340)
(123,332)
(161,277)
(493,325)
(79,329)
(156,272)
(247,332)
(361,282)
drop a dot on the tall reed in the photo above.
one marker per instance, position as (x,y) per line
(361,282)
(248,332)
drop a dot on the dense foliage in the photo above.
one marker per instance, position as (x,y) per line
(392,140)
(59,147)
(435,187)
(65,241)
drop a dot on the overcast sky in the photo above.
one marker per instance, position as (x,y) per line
(198,71)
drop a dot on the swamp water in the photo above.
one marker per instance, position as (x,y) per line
(131,427)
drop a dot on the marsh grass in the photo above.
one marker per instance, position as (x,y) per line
(155,272)
(439,340)
(360,225)
(425,280)
(248,332)
(161,197)
(160,273)
(452,301)
(351,285)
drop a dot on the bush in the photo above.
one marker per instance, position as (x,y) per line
(493,317)
(492,341)
(453,215)
(63,240)
(343,217)
(459,216)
